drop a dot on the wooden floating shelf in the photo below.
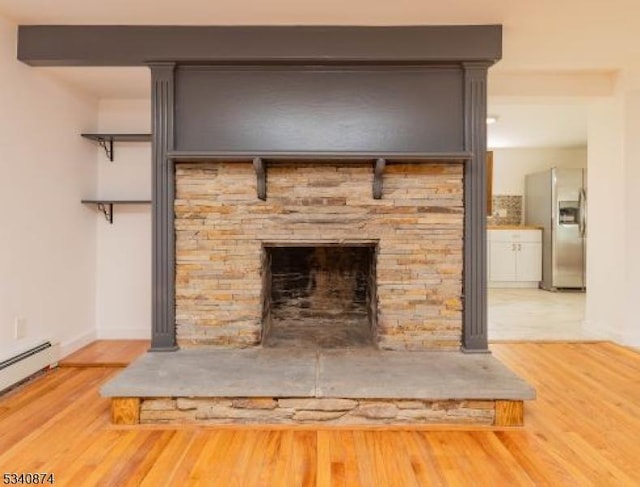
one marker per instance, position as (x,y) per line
(106,140)
(118,202)
(106,206)
(119,137)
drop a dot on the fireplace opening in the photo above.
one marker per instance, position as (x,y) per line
(319,296)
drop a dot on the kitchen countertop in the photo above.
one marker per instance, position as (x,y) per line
(513,227)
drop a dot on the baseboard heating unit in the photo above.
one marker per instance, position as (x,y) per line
(19,363)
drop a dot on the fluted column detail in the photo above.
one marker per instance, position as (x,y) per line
(163,336)
(474,337)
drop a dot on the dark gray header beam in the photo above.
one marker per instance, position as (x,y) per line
(110,45)
(319,109)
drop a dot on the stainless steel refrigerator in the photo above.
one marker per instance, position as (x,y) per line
(556,200)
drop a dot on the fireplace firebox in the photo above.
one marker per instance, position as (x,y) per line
(319,297)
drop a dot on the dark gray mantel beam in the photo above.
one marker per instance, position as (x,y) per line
(110,45)
(319,157)
(474,336)
(163,336)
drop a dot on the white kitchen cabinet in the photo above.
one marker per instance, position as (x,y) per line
(515,257)
(503,261)
(529,262)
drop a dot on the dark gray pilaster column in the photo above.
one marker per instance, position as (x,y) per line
(163,337)
(474,337)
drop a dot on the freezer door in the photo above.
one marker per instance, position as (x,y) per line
(568,248)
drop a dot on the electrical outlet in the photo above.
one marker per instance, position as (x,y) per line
(502,212)
(19,327)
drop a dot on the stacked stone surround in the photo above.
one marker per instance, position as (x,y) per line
(338,411)
(221,228)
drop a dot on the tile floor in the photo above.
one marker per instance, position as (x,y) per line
(534,314)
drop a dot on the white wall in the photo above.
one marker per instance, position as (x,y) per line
(630,332)
(47,238)
(510,166)
(123,279)
(613,261)
(605,309)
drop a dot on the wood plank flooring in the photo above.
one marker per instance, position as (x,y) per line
(584,429)
(107,353)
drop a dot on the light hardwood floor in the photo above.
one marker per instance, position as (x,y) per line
(584,429)
(107,353)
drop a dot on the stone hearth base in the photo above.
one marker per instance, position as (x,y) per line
(280,386)
(330,411)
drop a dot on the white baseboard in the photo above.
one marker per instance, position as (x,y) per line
(125,334)
(69,346)
(627,339)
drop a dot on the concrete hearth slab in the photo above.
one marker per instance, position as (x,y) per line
(218,373)
(417,375)
(357,373)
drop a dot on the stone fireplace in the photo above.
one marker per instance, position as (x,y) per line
(319,223)
(320,262)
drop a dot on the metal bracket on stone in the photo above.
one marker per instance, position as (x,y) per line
(261,175)
(377,178)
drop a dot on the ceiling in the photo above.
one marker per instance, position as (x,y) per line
(560,124)
(539,36)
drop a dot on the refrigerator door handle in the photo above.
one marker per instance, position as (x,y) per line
(583,212)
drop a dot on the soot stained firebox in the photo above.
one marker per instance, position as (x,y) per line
(321,296)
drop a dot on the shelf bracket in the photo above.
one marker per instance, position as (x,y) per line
(261,176)
(107,145)
(377,178)
(107,210)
